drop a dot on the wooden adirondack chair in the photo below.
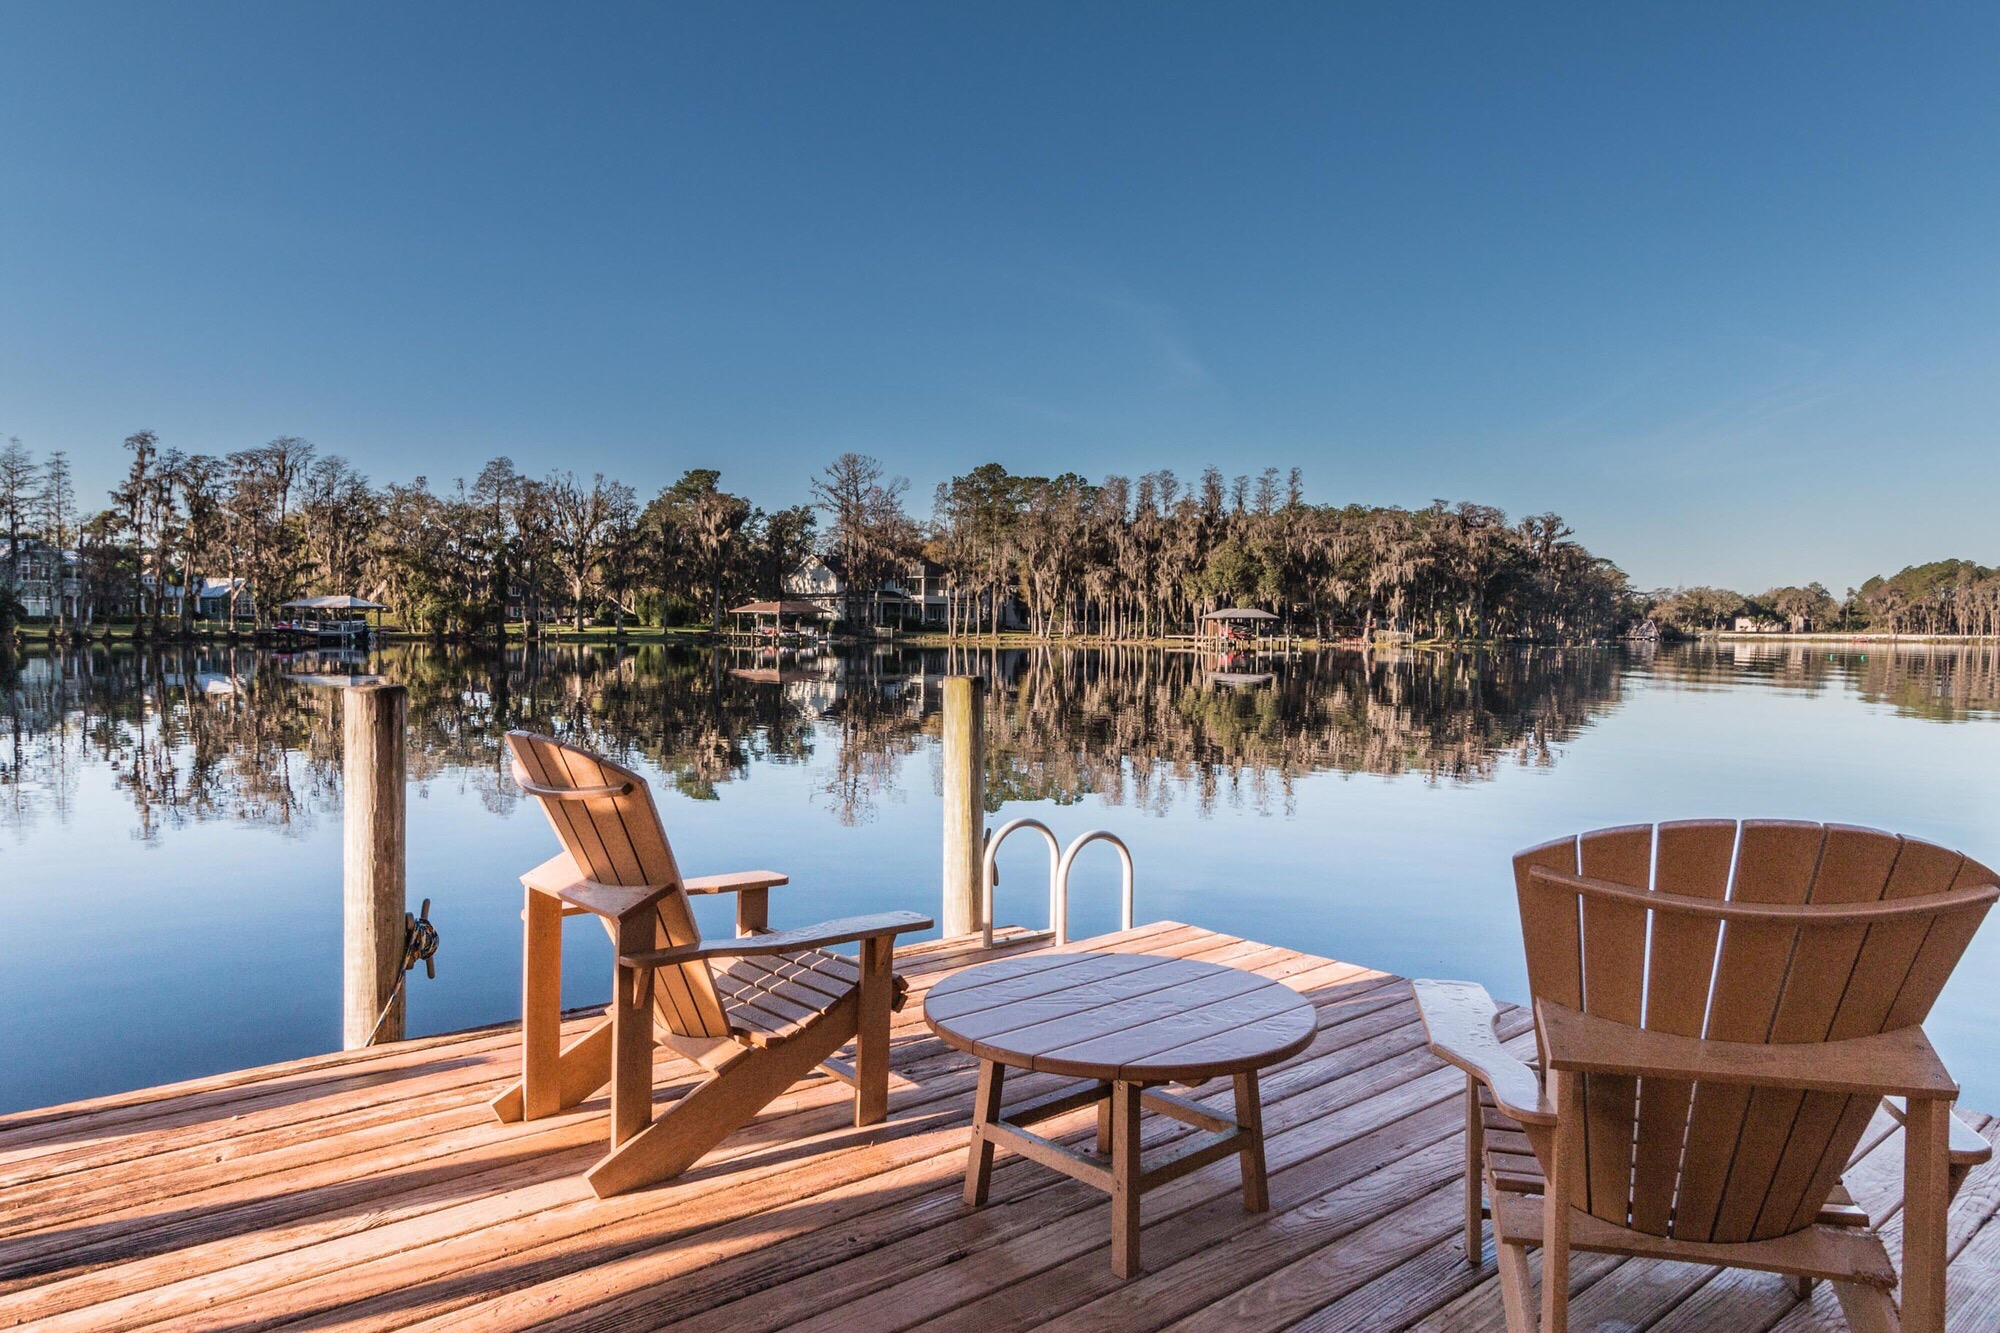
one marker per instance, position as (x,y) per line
(759,1012)
(1720,1012)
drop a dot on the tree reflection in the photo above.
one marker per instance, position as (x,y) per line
(1146,728)
(230,734)
(1932,681)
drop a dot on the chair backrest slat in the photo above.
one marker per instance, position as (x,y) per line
(605,816)
(1551,930)
(1614,978)
(1775,863)
(1716,1162)
(1796,1129)
(1693,859)
(1550,924)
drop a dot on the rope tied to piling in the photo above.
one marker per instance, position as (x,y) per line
(420,945)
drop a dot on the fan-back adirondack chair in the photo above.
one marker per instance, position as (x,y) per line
(758,1012)
(1721,1011)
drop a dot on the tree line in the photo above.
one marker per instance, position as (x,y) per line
(285,520)
(1137,559)
(1945,597)
(1061,556)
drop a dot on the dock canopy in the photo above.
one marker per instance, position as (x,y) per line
(1239,613)
(778,608)
(333,603)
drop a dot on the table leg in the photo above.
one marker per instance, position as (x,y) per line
(1104,1125)
(1125,1180)
(985,1112)
(1250,1121)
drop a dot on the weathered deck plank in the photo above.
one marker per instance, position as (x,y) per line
(373,1190)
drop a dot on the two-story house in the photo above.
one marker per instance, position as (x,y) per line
(917,596)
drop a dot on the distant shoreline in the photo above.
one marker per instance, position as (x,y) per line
(36,633)
(1751,636)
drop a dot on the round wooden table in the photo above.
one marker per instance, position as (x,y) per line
(1127,1023)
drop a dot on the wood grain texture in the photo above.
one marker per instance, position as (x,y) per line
(757,1012)
(373,862)
(963,757)
(1102,1016)
(373,1190)
(1724,1007)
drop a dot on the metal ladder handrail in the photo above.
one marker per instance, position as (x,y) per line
(1060,911)
(989,874)
(1060,861)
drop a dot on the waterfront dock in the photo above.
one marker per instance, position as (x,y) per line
(373,1189)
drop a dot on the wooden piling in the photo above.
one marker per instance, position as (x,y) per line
(372,849)
(964,802)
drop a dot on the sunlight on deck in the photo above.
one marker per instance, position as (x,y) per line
(375,1190)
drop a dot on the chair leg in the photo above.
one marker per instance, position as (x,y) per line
(1868,1309)
(1555,1201)
(1515,1287)
(631,1043)
(1926,1201)
(1555,1270)
(541,1012)
(582,1068)
(1475,1171)
(871,1042)
(729,1099)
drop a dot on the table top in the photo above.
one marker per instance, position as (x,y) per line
(1129,1016)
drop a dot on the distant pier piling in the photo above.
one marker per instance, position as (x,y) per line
(373,863)
(964,802)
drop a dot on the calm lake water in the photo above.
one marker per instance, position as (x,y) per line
(170,825)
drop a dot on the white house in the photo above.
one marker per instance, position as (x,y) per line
(917,595)
(218,598)
(41,575)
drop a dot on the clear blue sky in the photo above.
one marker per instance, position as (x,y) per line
(1721,287)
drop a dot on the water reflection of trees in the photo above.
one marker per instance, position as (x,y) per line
(231,734)
(185,738)
(683,712)
(1144,728)
(1938,682)
(200,735)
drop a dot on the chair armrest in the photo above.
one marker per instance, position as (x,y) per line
(847,930)
(553,875)
(559,877)
(1458,1021)
(613,902)
(1899,1063)
(1968,1146)
(736,881)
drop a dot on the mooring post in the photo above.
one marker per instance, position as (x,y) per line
(372,853)
(964,802)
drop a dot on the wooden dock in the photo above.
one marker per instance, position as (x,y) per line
(374,1190)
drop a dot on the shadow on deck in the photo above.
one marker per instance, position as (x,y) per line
(375,1190)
